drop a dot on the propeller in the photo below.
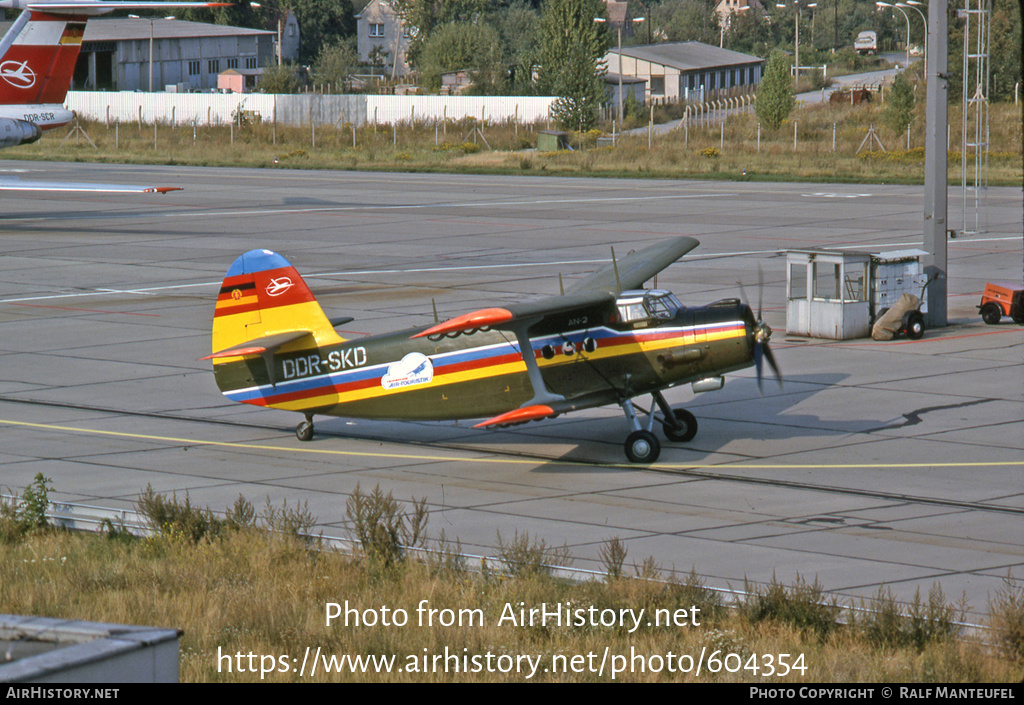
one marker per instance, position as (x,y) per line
(762,334)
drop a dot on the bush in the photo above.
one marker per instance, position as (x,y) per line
(1007,617)
(172,517)
(803,606)
(613,555)
(885,623)
(383,529)
(522,558)
(34,503)
(20,517)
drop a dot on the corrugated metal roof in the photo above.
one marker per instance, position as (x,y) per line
(688,56)
(127,28)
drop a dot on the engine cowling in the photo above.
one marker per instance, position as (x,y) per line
(14,132)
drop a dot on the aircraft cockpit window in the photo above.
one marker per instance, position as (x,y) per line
(632,312)
(649,305)
(662,305)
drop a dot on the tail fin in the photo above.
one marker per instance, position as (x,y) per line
(37,57)
(263,300)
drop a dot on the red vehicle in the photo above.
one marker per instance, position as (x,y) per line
(1000,300)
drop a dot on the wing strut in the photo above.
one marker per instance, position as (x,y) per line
(542,396)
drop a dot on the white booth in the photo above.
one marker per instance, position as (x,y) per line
(839,294)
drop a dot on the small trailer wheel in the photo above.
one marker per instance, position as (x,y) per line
(991,313)
(914,325)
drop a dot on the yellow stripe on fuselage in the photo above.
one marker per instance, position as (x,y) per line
(638,345)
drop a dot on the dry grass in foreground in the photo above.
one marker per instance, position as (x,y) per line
(828,148)
(237,590)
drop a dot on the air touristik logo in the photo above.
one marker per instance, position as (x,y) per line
(415,368)
(278,286)
(18,74)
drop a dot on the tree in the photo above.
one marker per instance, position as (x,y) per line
(427,15)
(775,94)
(288,78)
(750,32)
(899,107)
(336,63)
(322,23)
(1004,51)
(572,48)
(459,46)
(685,20)
(518,26)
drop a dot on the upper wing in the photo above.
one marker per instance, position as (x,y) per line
(635,268)
(600,287)
(19,185)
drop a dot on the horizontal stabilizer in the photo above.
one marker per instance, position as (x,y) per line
(469,321)
(528,413)
(260,346)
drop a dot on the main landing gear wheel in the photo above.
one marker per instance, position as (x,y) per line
(685,427)
(642,447)
(304,431)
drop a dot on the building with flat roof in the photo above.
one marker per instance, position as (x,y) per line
(687,70)
(187,55)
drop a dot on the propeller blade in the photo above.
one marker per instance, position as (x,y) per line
(758,356)
(743,293)
(771,363)
(760,291)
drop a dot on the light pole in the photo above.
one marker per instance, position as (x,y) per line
(906,17)
(912,4)
(636,20)
(279,21)
(796,52)
(151,20)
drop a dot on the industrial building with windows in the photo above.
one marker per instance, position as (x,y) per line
(122,54)
(687,70)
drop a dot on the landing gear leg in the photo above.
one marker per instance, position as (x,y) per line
(304,431)
(679,424)
(641,446)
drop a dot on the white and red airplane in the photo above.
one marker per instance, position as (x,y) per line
(37,63)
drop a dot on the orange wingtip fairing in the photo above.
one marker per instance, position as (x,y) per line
(163,189)
(538,411)
(235,352)
(476,319)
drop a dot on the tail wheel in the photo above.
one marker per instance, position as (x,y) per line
(991,313)
(642,447)
(685,427)
(304,431)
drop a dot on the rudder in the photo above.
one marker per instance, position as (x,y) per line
(38,58)
(263,295)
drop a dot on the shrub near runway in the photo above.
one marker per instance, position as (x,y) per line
(246,589)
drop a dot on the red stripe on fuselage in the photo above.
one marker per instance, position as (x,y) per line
(494,360)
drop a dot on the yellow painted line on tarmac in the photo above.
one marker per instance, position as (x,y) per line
(255,446)
(739,465)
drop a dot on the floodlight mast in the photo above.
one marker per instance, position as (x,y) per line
(936,164)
